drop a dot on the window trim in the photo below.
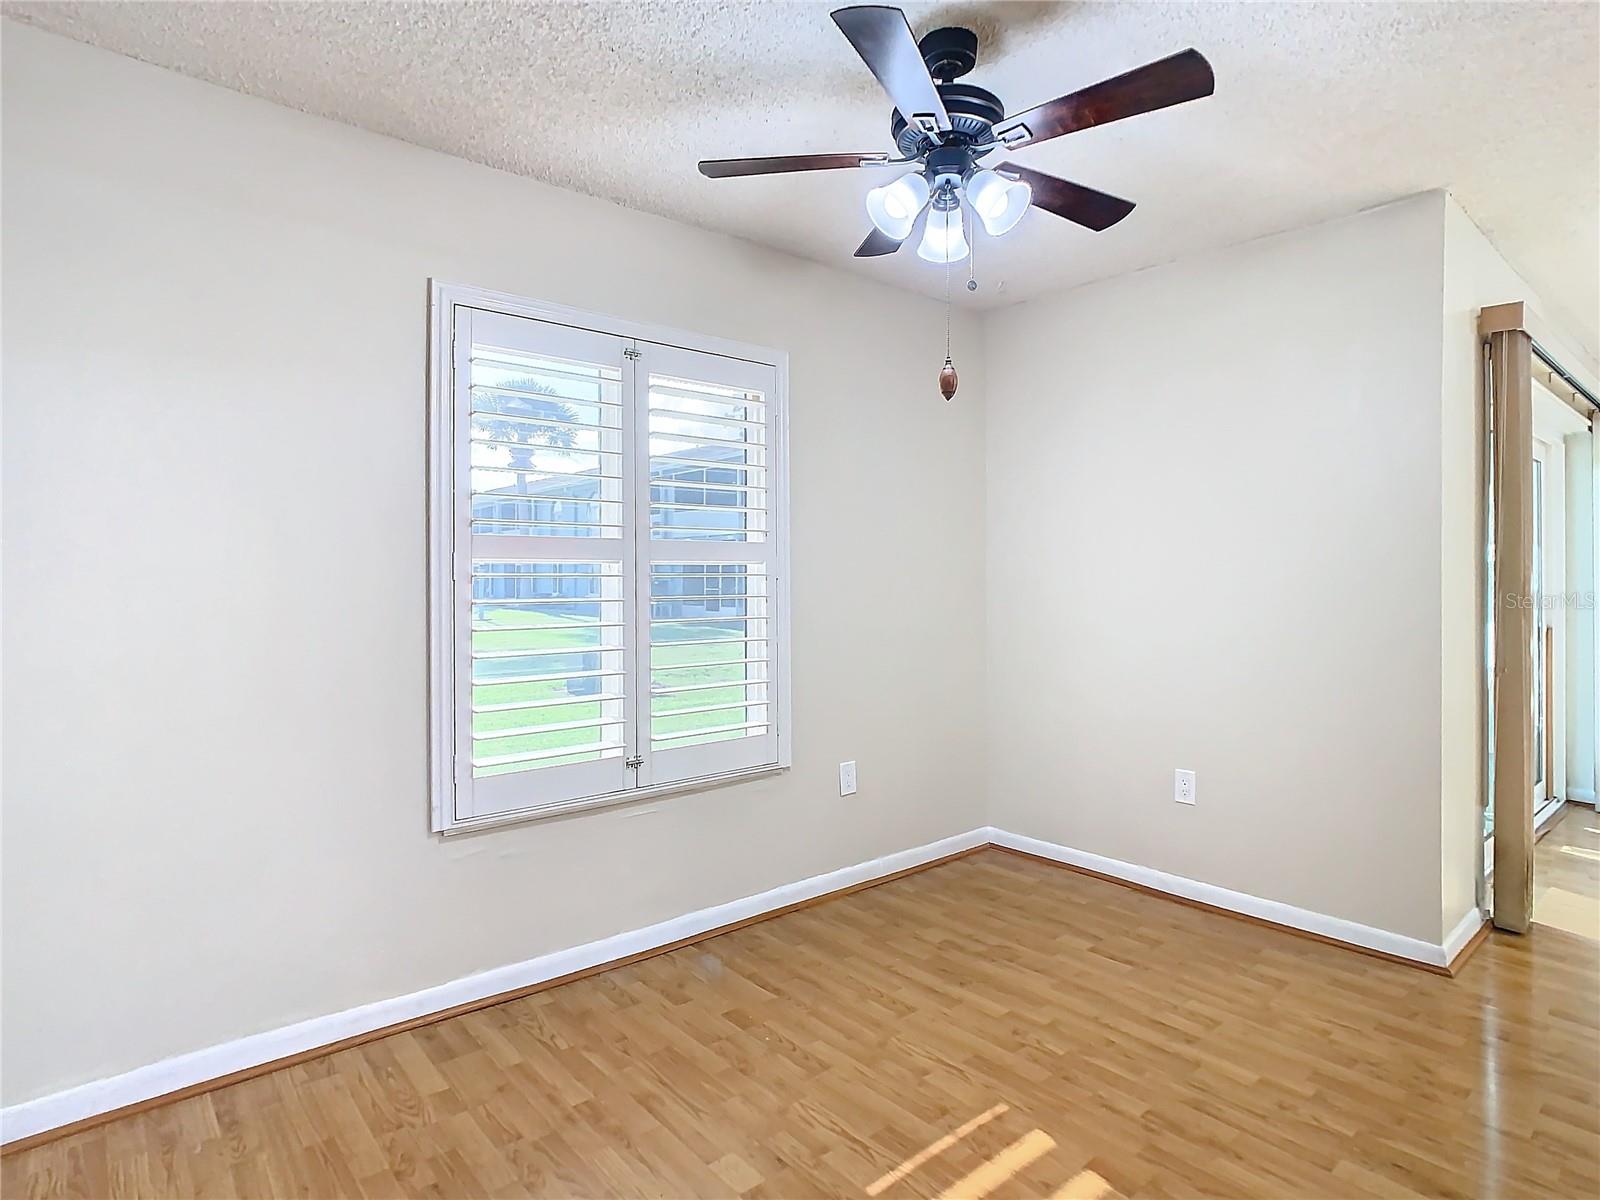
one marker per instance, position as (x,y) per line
(443,299)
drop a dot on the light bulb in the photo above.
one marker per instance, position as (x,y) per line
(998,201)
(943,241)
(894,206)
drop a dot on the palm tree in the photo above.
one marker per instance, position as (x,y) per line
(561,437)
(517,431)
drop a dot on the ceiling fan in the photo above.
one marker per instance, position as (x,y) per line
(945,128)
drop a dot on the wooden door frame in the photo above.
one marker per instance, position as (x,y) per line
(1510,448)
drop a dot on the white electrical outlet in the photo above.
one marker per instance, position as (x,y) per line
(1183,787)
(847,778)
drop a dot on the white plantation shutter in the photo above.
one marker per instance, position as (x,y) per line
(544,698)
(607,565)
(711,562)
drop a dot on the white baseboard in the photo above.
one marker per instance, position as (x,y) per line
(1581,795)
(199,1066)
(1471,921)
(1428,953)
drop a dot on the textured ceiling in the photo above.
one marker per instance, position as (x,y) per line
(1321,109)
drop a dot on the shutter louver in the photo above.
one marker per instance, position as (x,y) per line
(710,657)
(547,664)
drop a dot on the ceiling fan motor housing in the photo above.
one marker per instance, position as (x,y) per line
(972,112)
(950,53)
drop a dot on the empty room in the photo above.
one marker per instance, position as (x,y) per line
(702,599)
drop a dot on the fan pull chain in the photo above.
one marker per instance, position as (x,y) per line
(972,261)
(947,376)
(947,306)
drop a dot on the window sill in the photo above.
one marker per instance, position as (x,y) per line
(591,803)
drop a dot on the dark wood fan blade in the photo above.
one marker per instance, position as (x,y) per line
(883,38)
(1079,204)
(877,243)
(1184,76)
(728,168)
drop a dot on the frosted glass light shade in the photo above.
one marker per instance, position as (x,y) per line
(894,206)
(998,201)
(944,241)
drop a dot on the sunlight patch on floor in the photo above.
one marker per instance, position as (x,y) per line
(1085,1185)
(1566,910)
(999,1167)
(1026,1149)
(933,1149)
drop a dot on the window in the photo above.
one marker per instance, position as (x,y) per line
(607,560)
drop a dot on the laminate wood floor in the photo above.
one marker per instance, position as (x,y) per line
(1566,873)
(992,1027)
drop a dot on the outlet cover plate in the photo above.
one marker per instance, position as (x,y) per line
(1183,786)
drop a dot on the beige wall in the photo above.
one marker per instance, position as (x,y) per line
(1473,277)
(1214,530)
(215,786)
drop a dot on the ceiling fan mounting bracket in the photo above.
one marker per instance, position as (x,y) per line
(949,52)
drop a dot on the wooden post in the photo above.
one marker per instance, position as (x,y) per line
(1510,359)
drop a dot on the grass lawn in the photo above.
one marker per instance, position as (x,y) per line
(555,631)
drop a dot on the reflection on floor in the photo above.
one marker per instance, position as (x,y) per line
(1566,874)
(993,1028)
